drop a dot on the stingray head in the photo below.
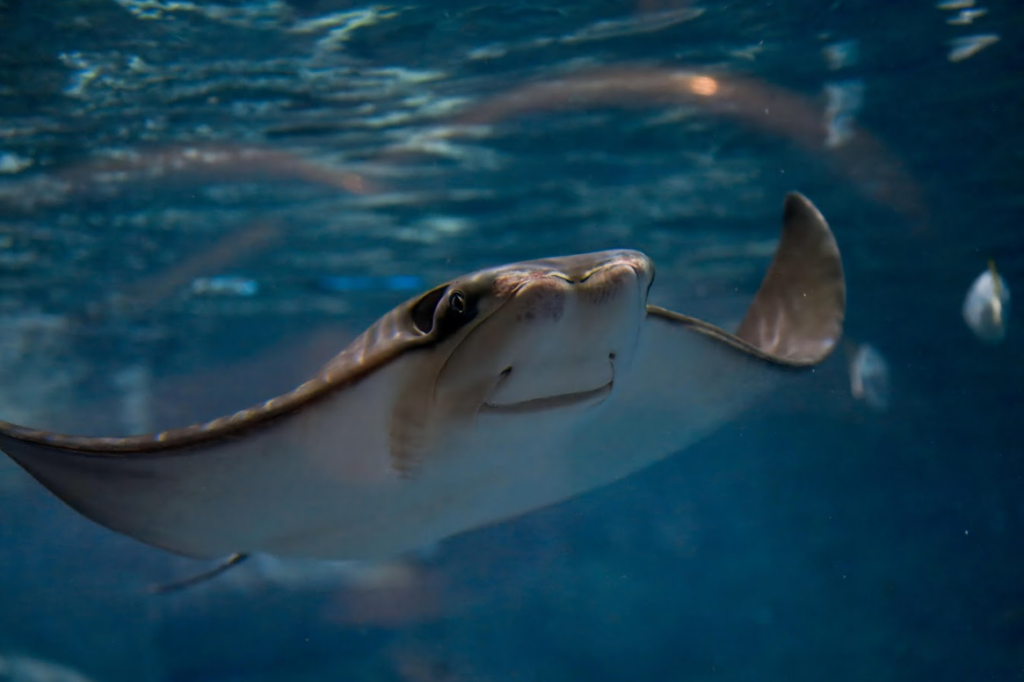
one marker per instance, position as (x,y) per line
(551,334)
(532,337)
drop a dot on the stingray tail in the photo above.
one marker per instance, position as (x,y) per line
(192,581)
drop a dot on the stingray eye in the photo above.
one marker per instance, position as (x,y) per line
(457,302)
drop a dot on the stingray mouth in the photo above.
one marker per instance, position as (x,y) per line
(553,402)
(593,396)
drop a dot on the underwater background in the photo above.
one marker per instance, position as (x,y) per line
(201,203)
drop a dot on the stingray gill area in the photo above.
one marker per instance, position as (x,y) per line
(202,202)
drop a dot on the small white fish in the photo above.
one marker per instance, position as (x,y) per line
(955,4)
(987,306)
(869,377)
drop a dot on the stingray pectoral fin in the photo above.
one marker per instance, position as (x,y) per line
(110,490)
(294,475)
(252,482)
(695,376)
(797,315)
(187,500)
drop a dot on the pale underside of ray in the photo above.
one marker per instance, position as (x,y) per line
(321,483)
(318,480)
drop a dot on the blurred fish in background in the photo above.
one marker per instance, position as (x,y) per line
(987,306)
(869,375)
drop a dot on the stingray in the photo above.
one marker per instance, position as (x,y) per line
(494,394)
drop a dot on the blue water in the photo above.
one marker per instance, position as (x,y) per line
(200,203)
